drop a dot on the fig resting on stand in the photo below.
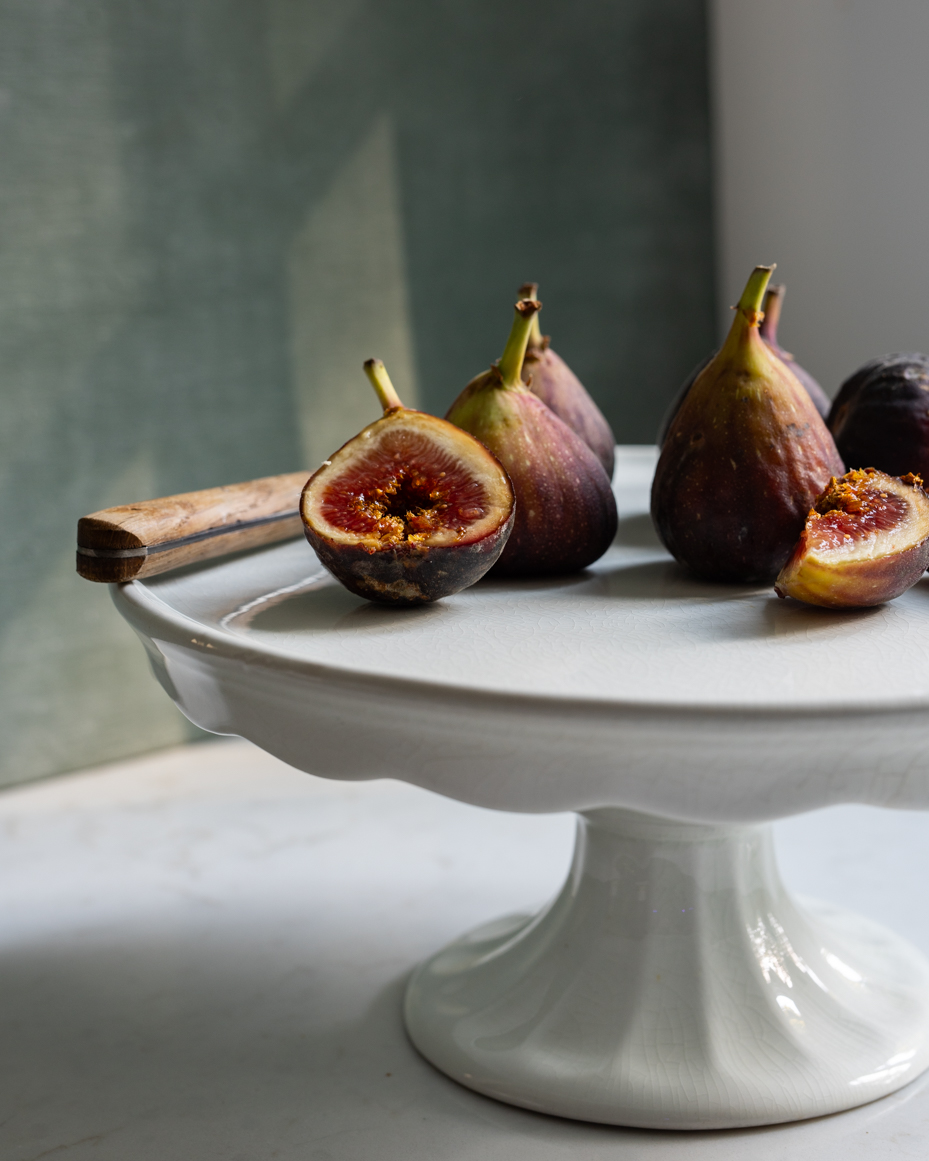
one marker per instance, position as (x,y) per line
(565,509)
(411,509)
(866,541)
(745,457)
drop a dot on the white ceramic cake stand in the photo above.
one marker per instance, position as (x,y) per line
(673,983)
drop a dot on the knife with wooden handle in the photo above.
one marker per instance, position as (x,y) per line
(141,540)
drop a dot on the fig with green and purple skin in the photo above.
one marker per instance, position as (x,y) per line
(865,541)
(549,377)
(771,308)
(881,415)
(565,510)
(773,303)
(744,458)
(411,509)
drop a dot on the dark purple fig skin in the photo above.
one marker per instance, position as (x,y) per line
(565,509)
(744,459)
(880,417)
(550,378)
(411,574)
(740,525)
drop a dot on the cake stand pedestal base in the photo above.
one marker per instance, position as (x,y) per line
(674,983)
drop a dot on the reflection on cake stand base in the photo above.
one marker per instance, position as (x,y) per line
(674,983)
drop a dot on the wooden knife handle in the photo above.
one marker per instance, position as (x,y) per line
(140,540)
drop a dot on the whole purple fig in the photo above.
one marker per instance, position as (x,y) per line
(565,509)
(744,458)
(880,417)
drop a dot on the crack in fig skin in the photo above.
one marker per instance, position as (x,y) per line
(550,379)
(862,511)
(565,510)
(745,457)
(881,415)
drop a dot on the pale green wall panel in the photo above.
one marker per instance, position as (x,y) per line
(212,211)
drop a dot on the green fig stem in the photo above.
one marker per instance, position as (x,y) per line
(511,362)
(773,301)
(753,294)
(526,291)
(748,317)
(380,381)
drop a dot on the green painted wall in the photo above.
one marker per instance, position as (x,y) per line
(213,210)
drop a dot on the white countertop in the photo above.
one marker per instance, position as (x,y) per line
(204,951)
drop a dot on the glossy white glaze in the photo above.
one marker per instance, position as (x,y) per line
(628,687)
(673,983)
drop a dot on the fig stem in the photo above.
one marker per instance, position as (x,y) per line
(380,381)
(773,301)
(748,316)
(753,294)
(510,366)
(526,291)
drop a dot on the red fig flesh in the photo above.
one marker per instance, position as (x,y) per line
(411,510)
(745,457)
(565,510)
(866,541)
(550,378)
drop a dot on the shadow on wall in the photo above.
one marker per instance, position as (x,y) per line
(417,159)
(218,209)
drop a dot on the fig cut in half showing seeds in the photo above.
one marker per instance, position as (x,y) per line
(866,541)
(411,510)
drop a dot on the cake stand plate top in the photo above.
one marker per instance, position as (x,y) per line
(631,656)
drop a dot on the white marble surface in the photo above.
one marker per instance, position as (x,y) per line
(204,952)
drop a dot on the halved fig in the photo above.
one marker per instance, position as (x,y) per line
(866,541)
(410,510)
